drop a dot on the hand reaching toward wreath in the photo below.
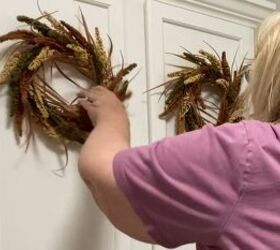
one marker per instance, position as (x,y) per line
(109,136)
(103,106)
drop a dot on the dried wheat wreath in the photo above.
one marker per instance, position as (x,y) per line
(184,91)
(32,99)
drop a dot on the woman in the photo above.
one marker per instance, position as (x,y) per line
(218,186)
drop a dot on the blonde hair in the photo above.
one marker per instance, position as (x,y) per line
(263,92)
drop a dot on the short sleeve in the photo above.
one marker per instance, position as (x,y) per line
(184,187)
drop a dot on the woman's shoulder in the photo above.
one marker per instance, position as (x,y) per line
(255,129)
(264,152)
(262,131)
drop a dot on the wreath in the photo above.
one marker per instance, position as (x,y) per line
(34,100)
(185,88)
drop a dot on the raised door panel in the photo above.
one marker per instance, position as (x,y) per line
(170,30)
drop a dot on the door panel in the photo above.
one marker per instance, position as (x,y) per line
(169,29)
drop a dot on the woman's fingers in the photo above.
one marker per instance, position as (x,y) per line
(85,104)
(91,94)
(90,109)
(81,94)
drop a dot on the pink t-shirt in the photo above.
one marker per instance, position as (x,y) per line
(218,187)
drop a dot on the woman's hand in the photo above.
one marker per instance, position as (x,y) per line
(103,106)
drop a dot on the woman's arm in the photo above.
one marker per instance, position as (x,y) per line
(110,135)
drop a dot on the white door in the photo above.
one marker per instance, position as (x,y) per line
(40,210)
